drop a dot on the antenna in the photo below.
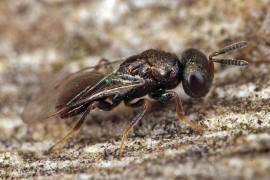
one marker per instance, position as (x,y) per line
(234,62)
(224,50)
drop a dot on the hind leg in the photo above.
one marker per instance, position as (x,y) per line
(103,62)
(76,127)
(101,104)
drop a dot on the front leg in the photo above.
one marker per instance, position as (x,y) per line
(167,96)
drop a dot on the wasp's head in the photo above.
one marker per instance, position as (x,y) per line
(198,71)
(196,74)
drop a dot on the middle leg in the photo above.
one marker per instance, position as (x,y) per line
(141,102)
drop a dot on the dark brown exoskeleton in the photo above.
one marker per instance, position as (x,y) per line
(153,73)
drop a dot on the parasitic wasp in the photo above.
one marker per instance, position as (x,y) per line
(153,72)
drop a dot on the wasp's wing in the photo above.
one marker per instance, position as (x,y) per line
(108,86)
(104,67)
(44,103)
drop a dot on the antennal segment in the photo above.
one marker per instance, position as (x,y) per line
(229,48)
(226,61)
(234,62)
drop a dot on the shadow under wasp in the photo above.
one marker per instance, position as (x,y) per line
(152,72)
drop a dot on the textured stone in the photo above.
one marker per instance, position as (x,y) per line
(40,38)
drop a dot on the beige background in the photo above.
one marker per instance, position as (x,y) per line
(40,38)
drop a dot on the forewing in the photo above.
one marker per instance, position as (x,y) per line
(44,103)
(110,85)
(41,104)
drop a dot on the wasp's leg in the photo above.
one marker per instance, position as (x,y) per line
(76,127)
(103,62)
(141,102)
(107,106)
(168,95)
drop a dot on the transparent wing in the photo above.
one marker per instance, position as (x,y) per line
(64,88)
(104,66)
(108,86)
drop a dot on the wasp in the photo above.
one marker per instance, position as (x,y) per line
(153,72)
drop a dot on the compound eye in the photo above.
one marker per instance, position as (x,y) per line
(197,84)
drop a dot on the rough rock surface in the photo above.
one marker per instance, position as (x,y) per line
(41,38)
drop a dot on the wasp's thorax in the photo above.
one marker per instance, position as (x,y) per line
(160,66)
(166,69)
(196,75)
